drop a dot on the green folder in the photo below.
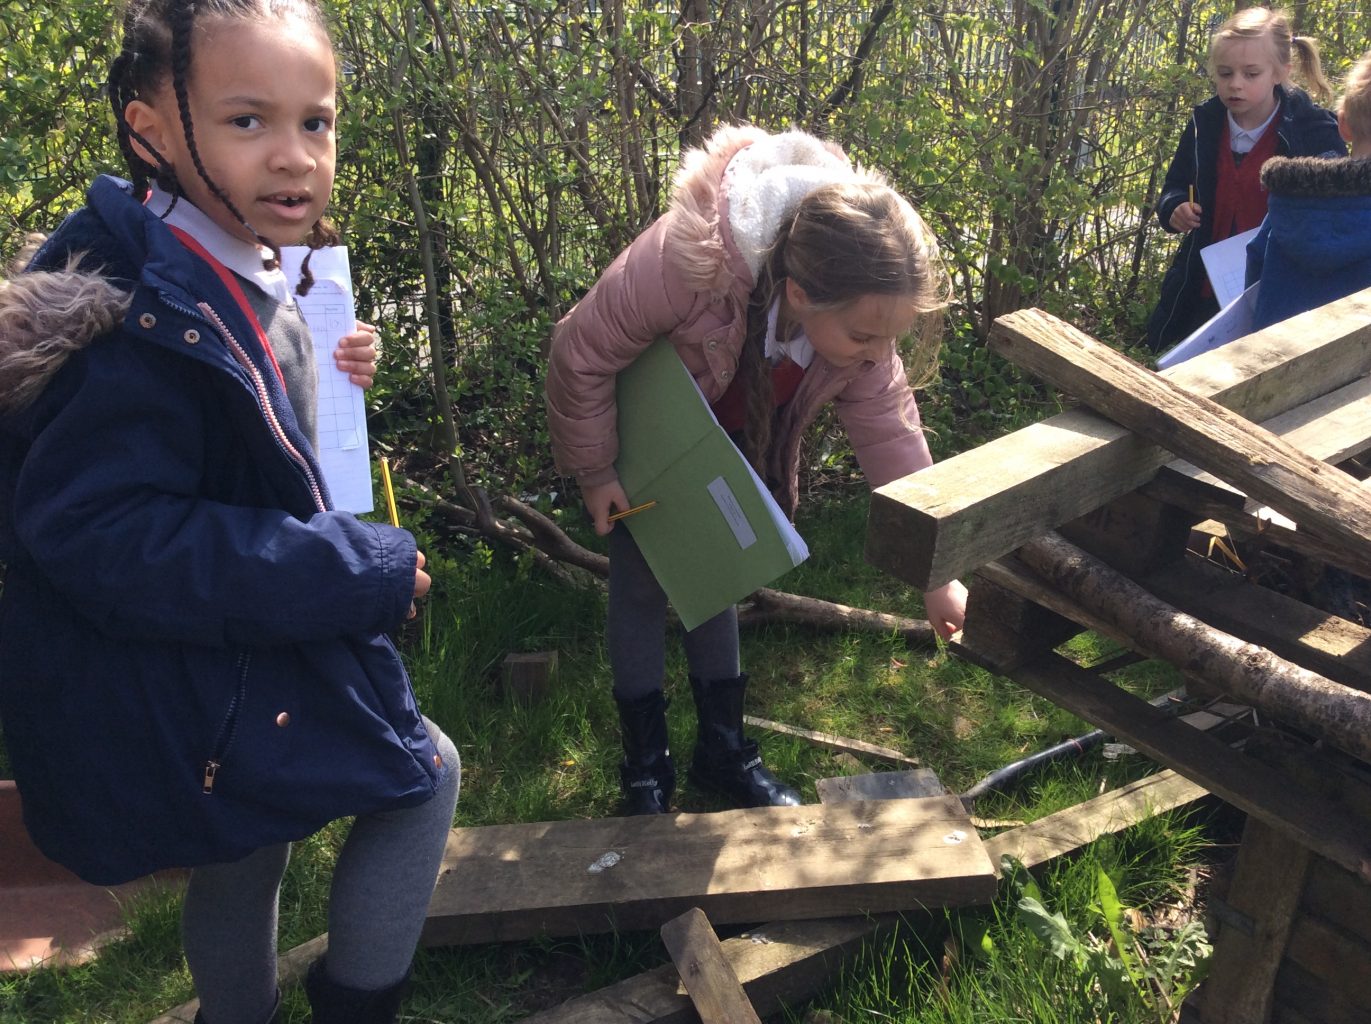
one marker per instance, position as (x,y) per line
(715,534)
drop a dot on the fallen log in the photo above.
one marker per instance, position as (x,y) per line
(1328,710)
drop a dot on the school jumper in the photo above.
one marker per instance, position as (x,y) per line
(1302,129)
(1315,244)
(689,278)
(193,662)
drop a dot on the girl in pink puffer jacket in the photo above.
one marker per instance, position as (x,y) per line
(784,277)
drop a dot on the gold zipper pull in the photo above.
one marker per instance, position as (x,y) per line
(211,767)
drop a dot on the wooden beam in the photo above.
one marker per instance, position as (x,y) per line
(787,962)
(1310,818)
(1265,890)
(942,522)
(538,879)
(1331,428)
(705,972)
(1326,502)
(831,742)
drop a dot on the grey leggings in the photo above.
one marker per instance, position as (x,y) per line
(636,627)
(377,905)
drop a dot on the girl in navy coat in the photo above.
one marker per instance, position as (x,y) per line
(1213,188)
(194,669)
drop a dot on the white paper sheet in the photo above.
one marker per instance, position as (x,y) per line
(1226,264)
(344,455)
(1232,322)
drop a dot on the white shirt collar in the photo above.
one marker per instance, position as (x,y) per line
(242,257)
(798,349)
(1240,139)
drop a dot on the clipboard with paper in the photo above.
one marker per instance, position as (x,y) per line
(715,534)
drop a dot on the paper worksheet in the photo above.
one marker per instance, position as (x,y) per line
(1226,264)
(330,312)
(1231,322)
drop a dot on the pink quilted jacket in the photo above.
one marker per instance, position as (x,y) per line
(684,278)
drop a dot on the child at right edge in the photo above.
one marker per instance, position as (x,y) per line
(1315,244)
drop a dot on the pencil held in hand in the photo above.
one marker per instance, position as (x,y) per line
(391,510)
(616,516)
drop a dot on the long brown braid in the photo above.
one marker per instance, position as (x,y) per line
(157,45)
(843,241)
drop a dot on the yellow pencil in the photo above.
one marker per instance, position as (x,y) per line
(1192,195)
(390,492)
(615,517)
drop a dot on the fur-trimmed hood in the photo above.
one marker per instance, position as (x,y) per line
(731,195)
(45,316)
(1315,178)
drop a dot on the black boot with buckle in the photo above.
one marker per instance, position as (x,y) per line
(725,760)
(647,775)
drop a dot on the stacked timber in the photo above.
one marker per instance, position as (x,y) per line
(1083,521)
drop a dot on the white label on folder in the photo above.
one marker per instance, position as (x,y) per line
(733,513)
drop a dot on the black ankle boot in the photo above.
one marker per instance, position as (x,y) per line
(273,1018)
(647,775)
(332,1003)
(725,759)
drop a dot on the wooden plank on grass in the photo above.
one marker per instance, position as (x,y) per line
(1061,833)
(705,972)
(1326,502)
(504,882)
(788,962)
(829,741)
(940,523)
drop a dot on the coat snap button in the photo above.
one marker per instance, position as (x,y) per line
(712,344)
(726,376)
(147,320)
(191,336)
(283,719)
(437,760)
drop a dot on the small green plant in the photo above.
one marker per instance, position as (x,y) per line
(1137,967)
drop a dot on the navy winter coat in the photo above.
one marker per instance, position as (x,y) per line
(192,652)
(1315,244)
(1303,129)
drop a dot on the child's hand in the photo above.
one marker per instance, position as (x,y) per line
(946,608)
(601,501)
(422,582)
(1186,217)
(356,355)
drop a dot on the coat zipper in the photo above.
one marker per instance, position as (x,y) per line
(229,729)
(264,399)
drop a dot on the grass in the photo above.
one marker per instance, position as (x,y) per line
(558,760)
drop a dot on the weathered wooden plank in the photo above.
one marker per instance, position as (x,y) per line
(1325,502)
(788,962)
(1061,833)
(1310,998)
(1008,626)
(918,782)
(1266,888)
(1339,897)
(705,972)
(940,523)
(1310,818)
(505,882)
(829,741)
(1336,957)
(1331,428)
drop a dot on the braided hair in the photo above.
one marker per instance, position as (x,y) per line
(843,241)
(157,47)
